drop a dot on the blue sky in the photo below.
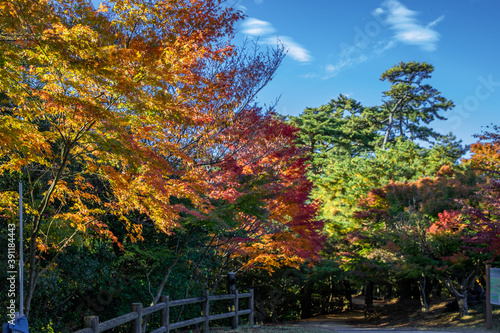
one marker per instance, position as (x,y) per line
(344,46)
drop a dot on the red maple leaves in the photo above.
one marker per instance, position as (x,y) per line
(264,176)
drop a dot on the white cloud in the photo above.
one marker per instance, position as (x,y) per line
(356,57)
(294,49)
(334,70)
(383,46)
(331,68)
(408,29)
(259,28)
(436,21)
(392,14)
(309,76)
(255,27)
(378,11)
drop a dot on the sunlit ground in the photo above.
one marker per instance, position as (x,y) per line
(393,315)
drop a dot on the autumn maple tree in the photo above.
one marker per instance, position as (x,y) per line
(458,264)
(403,225)
(465,239)
(486,160)
(273,223)
(261,216)
(116,111)
(442,227)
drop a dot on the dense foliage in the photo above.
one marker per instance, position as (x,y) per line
(401,210)
(149,170)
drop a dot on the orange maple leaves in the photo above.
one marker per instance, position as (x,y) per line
(137,108)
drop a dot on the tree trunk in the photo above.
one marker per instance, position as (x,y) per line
(392,113)
(34,270)
(463,307)
(32,281)
(369,295)
(347,293)
(464,284)
(159,292)
(423,294)
(306,302)
(388,130)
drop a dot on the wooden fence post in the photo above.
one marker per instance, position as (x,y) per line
(231,283)
(137,323)
(231,289)
(206,312)
(165,313)
(236,317)
(252,311)
(92,322)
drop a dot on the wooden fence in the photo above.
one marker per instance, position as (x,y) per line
(92,324)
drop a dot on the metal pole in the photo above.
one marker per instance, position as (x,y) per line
(21,264)
(252,307)
(489,321)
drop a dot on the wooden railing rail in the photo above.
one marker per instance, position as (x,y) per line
(92,324)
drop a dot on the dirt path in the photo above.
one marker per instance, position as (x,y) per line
(336,323)
(354,321)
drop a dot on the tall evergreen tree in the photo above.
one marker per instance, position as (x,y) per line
(354,148)
(343,127)
(409,102)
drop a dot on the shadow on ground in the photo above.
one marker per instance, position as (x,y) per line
(405,316)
